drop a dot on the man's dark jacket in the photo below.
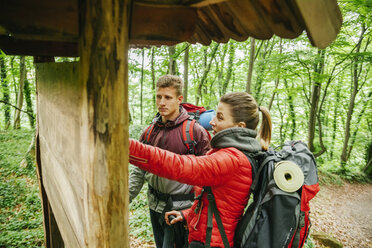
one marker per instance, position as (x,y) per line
(169,137)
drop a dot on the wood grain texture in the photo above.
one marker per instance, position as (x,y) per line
(169,22)
(104,73)
(150,24)
(322,19)
(59,124)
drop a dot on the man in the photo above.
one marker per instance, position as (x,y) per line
(166,132)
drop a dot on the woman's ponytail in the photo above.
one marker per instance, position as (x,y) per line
(244,108)
(265,129)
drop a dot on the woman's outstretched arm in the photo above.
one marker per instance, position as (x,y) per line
(213,169)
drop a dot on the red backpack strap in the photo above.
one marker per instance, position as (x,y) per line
(148,131)
(188,135)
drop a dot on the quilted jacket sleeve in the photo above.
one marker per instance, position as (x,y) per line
(209,170)
(136,181)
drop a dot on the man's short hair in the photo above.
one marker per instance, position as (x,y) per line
(170,81)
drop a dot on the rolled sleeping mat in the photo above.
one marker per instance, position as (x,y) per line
(288,176)
(206,117)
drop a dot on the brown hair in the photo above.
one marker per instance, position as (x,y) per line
(245,109)
(170,81)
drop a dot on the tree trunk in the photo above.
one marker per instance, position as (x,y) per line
(250,68)
(22,75)
(355,74)
(205,72)
(172,61)
(153,84)
(5,90)
(261,68)
(292,113)
(278,77)
(186,72)
(315,96)
(141,93)
(334,121)
(359,119)
(282,134)
(220,69)
(229,68)
(29,105)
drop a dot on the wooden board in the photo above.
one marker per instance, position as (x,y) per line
(60,101)
(322,19)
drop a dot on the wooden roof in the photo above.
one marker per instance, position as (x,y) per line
(51,28)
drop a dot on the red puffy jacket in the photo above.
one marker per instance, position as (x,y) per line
(228,172)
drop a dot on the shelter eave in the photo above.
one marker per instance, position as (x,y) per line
(48,24)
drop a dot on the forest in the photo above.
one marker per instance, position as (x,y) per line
(319,96)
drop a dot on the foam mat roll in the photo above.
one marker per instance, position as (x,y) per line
(288,176)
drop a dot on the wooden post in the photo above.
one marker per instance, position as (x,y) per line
(103,46)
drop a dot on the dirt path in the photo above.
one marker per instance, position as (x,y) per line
(345,213)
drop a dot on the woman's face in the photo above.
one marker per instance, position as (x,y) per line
(223,118)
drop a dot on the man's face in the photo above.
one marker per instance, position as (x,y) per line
(168,103)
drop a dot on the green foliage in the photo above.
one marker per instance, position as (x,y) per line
(21,215)
(135,131)
(139,216)
(309,242)
(328,178)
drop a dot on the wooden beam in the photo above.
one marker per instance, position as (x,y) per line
(40,19)
(103,49)
(178,3)
(154,25)
(13,46)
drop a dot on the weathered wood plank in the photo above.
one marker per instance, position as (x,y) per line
(250,19)
(322,19)
(104,72)
(168,22)
(153,24)
(281,18)
(52,234)
(59,124)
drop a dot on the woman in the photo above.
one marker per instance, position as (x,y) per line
(225,168)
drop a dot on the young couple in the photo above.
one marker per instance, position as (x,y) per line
(170,173)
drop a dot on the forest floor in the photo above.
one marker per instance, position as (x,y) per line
(345,213)
(342,212)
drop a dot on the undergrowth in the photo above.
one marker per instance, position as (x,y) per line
(20,206)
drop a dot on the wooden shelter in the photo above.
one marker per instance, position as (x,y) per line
(82,107)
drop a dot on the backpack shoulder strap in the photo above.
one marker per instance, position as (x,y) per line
(148,131)
(212,210)
(188,135)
